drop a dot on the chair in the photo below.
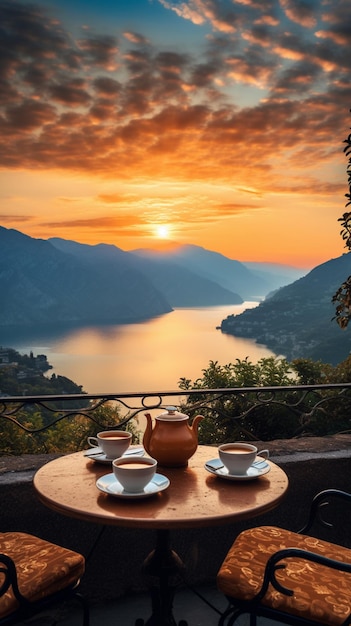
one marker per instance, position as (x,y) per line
(293,578)
(34,574)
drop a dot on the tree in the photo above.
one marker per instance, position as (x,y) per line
(261,415)
(342,297)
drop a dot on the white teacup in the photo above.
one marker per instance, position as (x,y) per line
(112,442)
(238,456)
(134,472)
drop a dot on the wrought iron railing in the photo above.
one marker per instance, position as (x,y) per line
(304,402)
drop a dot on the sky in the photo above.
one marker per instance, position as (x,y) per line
(143,123)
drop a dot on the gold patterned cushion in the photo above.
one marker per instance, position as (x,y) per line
(42,568)
(320,594)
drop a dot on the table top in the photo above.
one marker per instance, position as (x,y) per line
(195,498)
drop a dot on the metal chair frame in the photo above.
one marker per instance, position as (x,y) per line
(26,608)
(254,608)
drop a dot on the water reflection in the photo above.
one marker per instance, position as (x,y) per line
(147,356)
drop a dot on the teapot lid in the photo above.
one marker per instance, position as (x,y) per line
(172,415)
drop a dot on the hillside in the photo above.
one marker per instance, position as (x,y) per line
(60,282)
(275,274)
(250,281)
(296,321)
(180,286)
(42,284)
(23,374)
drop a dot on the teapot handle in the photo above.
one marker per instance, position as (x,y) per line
(147,433)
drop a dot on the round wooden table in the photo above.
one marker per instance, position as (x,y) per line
(195,498)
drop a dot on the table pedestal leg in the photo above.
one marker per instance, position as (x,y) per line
(164,564)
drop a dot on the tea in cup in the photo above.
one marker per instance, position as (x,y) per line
(237,457)
(112,442)
(134,472)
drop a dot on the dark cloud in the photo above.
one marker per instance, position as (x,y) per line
(27,116)
(302,12)
(99,51)
(70,92)
(297,79)
(107,86)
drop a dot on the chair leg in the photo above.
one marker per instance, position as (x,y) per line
(253,620)
(93,547)
(225,615)
(234,617)
(86,608)
(231,614)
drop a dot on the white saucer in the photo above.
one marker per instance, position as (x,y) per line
(259,468)
(96,454)
(110,485)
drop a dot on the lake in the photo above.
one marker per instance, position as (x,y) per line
(142,357)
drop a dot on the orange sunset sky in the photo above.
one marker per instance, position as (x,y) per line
(218,123)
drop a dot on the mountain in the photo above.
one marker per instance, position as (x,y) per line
(43,283)
(275,274)
(296,321)
(181,285)
(233,276)
(57,281)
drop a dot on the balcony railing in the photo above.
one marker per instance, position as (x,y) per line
(306,403)
(205,549)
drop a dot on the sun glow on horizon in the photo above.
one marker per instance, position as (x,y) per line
(162,231)
(167,163)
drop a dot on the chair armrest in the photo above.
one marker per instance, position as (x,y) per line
(9,572)
(323,499)
(273,565)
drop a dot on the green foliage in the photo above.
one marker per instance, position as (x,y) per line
(333,415)
(289,413)
(219,425)
(23,375)
(342,297)
(15,440)
(66,435)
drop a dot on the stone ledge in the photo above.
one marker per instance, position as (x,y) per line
(24,463)
(303,448)
(316,445)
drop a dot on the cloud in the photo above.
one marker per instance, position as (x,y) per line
(187,10)
(233,208)
(99,51)
(135,37)
(271,81)
(113,198)
(4,218)
(70,92)
(108,221)
(302,12)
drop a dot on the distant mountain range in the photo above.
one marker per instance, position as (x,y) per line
(297,320)
(59,281)
(43,284)
(56,281)
(248,281)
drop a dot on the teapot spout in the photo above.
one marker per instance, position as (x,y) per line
(195,423)
(147,433)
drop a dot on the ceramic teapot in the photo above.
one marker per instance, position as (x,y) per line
(172,441)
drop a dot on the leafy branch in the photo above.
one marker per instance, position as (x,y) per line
(342,297)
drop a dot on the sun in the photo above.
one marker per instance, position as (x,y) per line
(162,231)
